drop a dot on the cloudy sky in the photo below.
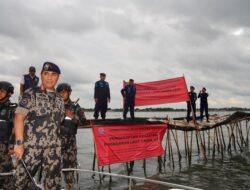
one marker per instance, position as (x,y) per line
(207,41)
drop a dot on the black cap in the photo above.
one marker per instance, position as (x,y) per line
(131,80)
(48,66)
(102,74)
(192,87)
(7,86)
(63,86)
(32,69)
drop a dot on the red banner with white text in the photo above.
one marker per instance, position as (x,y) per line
(161,92)
(118,144)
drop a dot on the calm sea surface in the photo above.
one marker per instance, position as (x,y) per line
(229,172)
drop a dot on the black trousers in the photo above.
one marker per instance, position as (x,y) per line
(204,107)
(101,107)
(129,104)
(189,110)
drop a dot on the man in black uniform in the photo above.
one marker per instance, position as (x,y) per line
(203,103)
(128,93)
(191,105)
(102,97)
(29,80)
(74,118)
(7,110)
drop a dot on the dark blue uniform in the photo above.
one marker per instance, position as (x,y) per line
(129,92)
(30,82)
(193,98)
(203,105)
(102,94)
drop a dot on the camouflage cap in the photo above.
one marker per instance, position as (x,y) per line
(49,66)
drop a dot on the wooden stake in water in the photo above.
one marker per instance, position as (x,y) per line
(144,168)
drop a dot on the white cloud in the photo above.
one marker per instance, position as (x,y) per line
(208,41)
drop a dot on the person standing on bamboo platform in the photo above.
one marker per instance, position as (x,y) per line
(203,95)
(37,123)
(128,93)
(191,105)
(101,96)
(74,118)
(7,111)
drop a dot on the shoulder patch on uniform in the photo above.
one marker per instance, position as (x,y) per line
(24,102)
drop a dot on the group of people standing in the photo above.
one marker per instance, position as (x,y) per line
(102,97)
(191,105)
(41,129)
(44,135)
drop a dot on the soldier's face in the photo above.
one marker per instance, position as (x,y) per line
(49,79)
(65,95)
(3,94)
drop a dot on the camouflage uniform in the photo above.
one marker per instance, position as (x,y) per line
(44,113)
(6,124)
(68,134)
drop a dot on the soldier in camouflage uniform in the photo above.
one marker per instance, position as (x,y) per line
(6,124)
(74,117)
(37,126)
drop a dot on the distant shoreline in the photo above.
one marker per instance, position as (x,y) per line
(170,109)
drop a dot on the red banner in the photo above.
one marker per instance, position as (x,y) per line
(161,92)
(119,144)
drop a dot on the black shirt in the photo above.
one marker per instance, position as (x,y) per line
(102,91)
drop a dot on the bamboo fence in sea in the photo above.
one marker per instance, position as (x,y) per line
(222,135)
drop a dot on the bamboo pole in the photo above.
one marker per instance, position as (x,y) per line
(221,143)
(171,152)
(166,145)
(233,136)
(159,164)
(204,141)
(190,151)
(110,177)
(247,135)
(185,143)
(223,139)
(177,145)
(243,141)
(229,140)
(237,138)
(208,143)
(169,149)
(217,140)
(100,176)
(202,146)
(197,141)
(144,168)
(214,144)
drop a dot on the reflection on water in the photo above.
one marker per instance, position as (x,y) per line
(231,172)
